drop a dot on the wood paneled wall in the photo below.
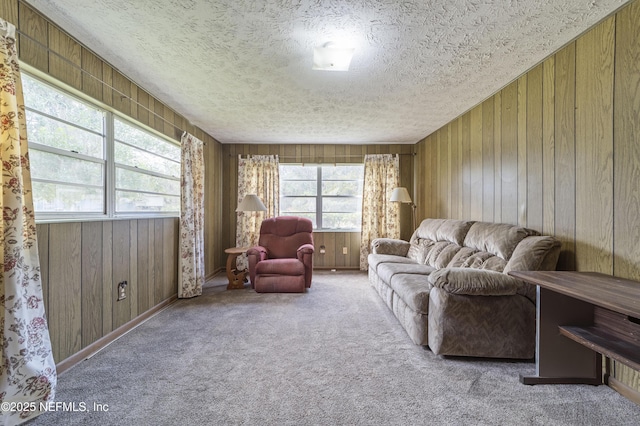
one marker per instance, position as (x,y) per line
(316,154)
(215,200)
(334,242)
(82,264)
(558,151)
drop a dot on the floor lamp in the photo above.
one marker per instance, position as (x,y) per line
(401,195)
(251,203)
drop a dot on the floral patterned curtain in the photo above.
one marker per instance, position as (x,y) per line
(258,174)
(191,266)
(379,216)
(27,371)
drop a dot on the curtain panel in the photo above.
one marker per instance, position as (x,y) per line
(260,175)
(380,217)
(28,371)
(191,240)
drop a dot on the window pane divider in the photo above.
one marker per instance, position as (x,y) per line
(57,182)
(146,150)
(145,171)
(138,191)
(65,152)
(62,120)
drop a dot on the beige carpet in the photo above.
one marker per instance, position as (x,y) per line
(332,356)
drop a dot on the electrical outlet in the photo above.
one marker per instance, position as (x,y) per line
(344,250)
(122,294)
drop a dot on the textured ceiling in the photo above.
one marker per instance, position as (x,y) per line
(241,69)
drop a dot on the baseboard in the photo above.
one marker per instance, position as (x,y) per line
(99,344)
(214,273)
(624,389)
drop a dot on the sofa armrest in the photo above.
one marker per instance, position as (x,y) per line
(390,246)
(476,282)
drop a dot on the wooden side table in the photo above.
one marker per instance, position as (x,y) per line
(236,278)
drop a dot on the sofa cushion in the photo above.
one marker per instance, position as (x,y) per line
(461,257)
(413,289)
(375,260)
(427,230)
(450,230)
(474,282)
(499,239)
(535,254)
(387,270)
(484,260)
(419,249)
(441,253)
(454,231)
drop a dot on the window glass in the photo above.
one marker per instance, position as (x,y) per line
(56,134)
(147,171)
(134,157)
(127,179)
(127,201)
(47,100)
(331,196)
(60,198)
(62,168)
(124,132)
(299,188)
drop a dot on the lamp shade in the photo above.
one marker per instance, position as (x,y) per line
(251,203)
(400,195)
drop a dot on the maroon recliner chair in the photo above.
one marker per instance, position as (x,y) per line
(282,262)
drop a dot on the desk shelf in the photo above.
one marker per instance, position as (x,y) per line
(601,341)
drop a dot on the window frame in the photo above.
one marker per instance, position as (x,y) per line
(319,197)
(109,164)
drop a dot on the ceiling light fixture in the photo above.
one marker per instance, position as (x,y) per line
(330,57)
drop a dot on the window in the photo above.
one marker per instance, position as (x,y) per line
(66,141)
(73,172)
(147,171)
(331,196)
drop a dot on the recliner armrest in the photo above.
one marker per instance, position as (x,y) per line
(260,252)
(475,282)
(305,255)
(255,255)
(306,249)
(390,246)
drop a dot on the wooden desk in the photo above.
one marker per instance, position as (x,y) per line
(236,278)
(579,316)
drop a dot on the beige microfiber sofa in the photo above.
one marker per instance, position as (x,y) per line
(448,286)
